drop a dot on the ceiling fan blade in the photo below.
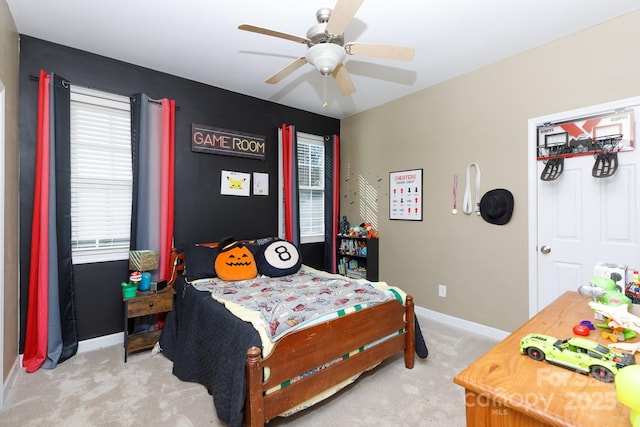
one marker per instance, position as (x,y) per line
(273,33)
(342,14)
(399,53)
(293,66)
(343,80)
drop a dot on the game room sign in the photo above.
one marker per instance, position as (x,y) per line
(207,139)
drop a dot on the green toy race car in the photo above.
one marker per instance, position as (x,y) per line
(579,354)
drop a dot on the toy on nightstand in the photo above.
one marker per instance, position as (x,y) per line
(628,391)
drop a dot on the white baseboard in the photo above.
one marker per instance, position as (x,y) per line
(10,379)
(101,342)
(477,328)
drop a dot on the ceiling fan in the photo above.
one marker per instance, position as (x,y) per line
(326,49)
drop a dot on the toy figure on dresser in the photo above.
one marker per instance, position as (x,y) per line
(605,291)
(618,316)
(344,226)
(632,290)
(612,307)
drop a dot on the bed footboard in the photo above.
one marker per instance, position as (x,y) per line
(318,345)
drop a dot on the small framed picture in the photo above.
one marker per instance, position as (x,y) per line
(260,184)
(235,183)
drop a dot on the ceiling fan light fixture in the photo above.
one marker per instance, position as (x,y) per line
(325,57)
(326,49)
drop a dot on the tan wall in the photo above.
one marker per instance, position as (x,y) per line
(9,58)
(479,117)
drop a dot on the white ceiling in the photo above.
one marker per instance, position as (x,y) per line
(199,40)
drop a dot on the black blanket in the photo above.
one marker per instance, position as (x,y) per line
(208,345)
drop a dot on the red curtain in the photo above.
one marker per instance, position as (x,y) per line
(35,347)
(168,112)
(50,330)
(290,181)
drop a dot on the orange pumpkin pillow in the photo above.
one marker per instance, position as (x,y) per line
(234,261)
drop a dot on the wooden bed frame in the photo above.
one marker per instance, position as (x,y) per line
(303,350)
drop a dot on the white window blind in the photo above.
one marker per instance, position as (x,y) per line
(101,176)
(311,187)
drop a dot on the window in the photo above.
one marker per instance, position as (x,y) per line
(311,187)
(101,176)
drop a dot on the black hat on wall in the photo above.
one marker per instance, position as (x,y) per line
(496,206)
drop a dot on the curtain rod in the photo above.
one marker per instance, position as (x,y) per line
(155,101)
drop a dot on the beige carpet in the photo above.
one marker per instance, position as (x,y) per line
(98,389)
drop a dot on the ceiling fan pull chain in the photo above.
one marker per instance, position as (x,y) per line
(325,104)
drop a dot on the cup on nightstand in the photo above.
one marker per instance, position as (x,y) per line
(145,283)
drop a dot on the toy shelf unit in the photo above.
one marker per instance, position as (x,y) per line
(358,257)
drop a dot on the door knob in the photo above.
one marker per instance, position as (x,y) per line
(545,249)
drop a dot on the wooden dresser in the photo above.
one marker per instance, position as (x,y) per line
(506,388)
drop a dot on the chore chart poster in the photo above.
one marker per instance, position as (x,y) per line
(405,195)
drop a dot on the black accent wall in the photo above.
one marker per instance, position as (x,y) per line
(201,213)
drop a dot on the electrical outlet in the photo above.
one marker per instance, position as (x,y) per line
(442,291)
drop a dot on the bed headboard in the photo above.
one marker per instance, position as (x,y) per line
(178,261)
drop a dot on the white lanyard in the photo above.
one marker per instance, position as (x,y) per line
(467,206)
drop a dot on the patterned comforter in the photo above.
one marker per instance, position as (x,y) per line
(291,302)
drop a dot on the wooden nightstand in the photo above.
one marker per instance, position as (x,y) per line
(143,305)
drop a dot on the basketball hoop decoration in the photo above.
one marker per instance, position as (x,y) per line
(554,163)
(602,135)
(606,155)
